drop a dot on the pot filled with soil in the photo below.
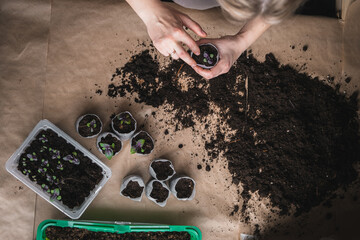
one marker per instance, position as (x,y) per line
(108,144)
(158,192)
(142,143)
(183,188)
(88,125)
(208,57)
(132,187)
(58,169)
(124,125)
(161,169)
(84,230)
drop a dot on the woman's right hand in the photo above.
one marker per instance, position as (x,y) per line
(165,27)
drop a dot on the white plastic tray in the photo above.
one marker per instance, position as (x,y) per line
(12,163)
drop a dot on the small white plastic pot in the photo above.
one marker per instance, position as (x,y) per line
(142,154)
(173,186)
(133,178)
(153,173)
(78,122)
(103,135)
(149,188)
(124,136)
(217,57)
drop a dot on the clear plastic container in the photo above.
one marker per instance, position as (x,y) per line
(12,163)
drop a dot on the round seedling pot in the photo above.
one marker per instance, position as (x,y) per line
(142,144)
(161,169)
(209,56)
(124,125)
(108,144)
(132,187)
(158,192)
(183,188)
(88,125)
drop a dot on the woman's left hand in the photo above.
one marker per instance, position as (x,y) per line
(230,49)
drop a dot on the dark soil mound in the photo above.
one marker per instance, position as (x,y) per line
(296,138)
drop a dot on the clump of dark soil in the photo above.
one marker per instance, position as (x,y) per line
(133,190)
(162,169)
(56,165)
(296,138)
(159,193)
(184,188)
(66,233)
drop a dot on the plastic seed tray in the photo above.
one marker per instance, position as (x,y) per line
(116,227)
(11,167)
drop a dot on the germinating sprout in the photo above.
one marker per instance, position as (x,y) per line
(138,146)
(91,125)
(108,149)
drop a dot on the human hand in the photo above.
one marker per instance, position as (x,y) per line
(165,27)
(230,49)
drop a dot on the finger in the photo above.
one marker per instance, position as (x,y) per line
(186,39)
(174,56)
(184,55)
(211,73)
(194,26)
(205,40)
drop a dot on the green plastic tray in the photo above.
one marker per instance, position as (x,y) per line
(116,227)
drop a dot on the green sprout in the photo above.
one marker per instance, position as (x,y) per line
(138,146)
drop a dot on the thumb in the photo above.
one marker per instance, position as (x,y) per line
(194,26)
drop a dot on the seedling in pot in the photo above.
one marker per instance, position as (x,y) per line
(45,187)
(124,125)
(138,147)
(142,143)
(209,56)
(45,163)
(108,150)
(108,144)
(88,125)
(91,125)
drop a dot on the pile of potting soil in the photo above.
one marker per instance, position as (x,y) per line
(296,138)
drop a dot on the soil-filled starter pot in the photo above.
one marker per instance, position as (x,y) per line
(209,56)
(161,169)
(158,192)
(183,188)
(88,125)
(59,169)
(132,187)
(108,144)
(142,143)
(124,125)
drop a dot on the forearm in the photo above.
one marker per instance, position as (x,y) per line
(251,31)
(144,8)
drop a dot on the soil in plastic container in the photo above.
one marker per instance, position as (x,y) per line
(66,233)
(61,170)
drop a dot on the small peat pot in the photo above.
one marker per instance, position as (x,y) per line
(209,56)
(108,144)
(88,125)
(58,169)
(161,169)
(183,188)
(124,125)
(158,192)
(132,187)
(142,143)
